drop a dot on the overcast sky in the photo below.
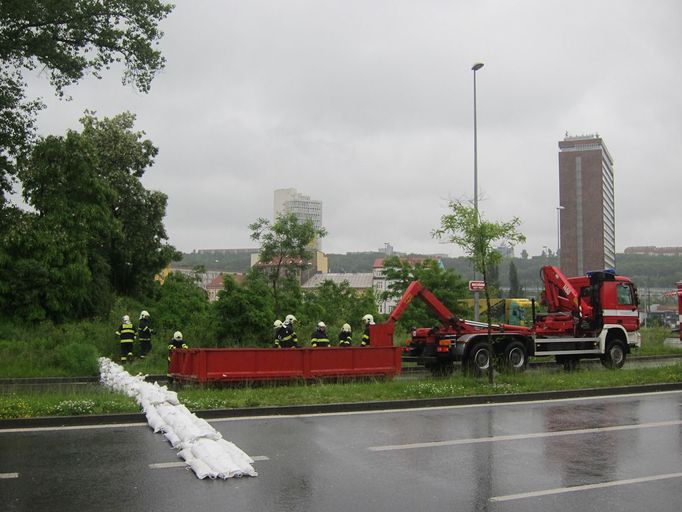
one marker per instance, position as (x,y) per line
(368,106)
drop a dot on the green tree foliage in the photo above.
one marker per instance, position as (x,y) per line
(337,304)
(446,284)
(285,250)
(180,305)
(515,288)
(69,39)
(465,227)
(94,229)
(245,312)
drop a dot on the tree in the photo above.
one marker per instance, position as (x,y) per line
(337,304)
(91,216)
(69,39)
(476,236)
(285,249)
(446,284)
(245,312)
(515,288)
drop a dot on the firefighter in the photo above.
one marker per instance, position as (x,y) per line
(279,332)
(319,337)
(289,338)
(126,335)
(176,341)
(144,334)
(345,336)
(368,320)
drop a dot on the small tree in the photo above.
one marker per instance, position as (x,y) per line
(477,237)
(515,288)
(285,249)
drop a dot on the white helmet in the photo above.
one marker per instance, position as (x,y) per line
(345,328)
(144,314)
(277,324)
(290,319)
(321,325)
(126,319)
(368,319)
(177,335)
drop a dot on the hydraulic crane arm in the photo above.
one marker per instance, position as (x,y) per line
(416,289)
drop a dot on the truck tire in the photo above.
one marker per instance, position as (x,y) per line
(614,358)
(515,357)
(478,360)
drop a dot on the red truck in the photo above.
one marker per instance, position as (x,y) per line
(591,316)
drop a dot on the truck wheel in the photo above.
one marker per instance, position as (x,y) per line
(614,358)
(515,357)
(479,359)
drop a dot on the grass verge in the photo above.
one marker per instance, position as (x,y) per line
(95,400)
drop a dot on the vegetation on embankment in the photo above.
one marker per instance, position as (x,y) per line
(71,350)
(69,400)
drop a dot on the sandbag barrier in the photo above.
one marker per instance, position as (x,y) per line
(201,447)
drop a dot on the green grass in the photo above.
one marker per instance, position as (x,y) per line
(95,400)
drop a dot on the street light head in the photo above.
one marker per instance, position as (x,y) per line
(477,66)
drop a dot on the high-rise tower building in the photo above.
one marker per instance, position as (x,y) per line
(586,194)
(288,200)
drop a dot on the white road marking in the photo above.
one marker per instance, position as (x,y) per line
(182,464)
(516,437)
(577,488)
(4,476)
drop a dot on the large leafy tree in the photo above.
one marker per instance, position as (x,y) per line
(68,39)
(285,250)
(94,229)
(446,284)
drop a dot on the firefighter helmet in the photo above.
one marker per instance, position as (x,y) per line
(177,336)
(144,314)
(345,328)
(368,319)
(290,319)
(126,319)
(321,325)
(277,324)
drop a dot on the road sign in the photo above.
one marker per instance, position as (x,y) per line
(476,286)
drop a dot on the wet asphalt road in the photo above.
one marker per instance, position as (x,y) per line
(619,453)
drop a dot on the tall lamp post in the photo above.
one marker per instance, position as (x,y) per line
(558,234)
(475,68)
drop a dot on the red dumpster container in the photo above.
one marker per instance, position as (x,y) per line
(250,364)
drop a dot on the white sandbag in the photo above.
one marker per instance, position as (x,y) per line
(201,469)
(172,438)
(199,444)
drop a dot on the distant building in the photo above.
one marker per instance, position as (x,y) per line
(226,252)
(652,250)
(288,200)
(357,281)
(586,193)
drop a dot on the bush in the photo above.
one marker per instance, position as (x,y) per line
(77,359)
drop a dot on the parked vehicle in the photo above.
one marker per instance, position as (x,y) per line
(590,316)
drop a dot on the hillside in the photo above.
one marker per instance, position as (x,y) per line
(646,271)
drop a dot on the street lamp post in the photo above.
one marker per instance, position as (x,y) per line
(558,234)
(475,68)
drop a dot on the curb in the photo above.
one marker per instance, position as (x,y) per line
(291,410)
